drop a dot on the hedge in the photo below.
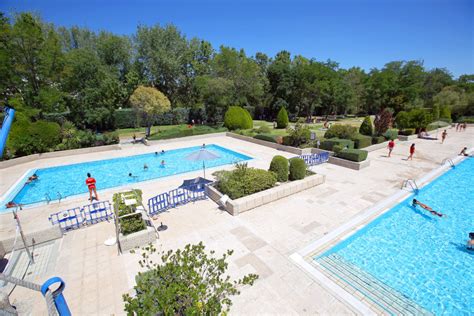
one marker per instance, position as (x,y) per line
(237,117)
(366,128)
(266,137)
(362,141)
(282,118)
(279,165)
(328,144)
(341,131)
(466,119)
(391,134)
(378,139)
(244,181)
(407,131)
(125,118)
(297,169)
(353,154)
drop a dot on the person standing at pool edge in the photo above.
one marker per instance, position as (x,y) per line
(412,152)
(90,182)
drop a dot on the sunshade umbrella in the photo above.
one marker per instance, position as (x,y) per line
(202,155)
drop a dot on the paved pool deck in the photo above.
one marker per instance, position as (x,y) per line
(262,239)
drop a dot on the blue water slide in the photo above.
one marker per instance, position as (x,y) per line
(7,123)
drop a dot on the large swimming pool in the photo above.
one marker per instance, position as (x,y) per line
(69,180)
(423,256)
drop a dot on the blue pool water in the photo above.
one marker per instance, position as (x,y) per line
(70,179)
(422,256)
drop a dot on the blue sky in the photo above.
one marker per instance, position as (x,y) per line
(365,33)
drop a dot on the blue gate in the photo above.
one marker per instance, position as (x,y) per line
(69,219)
(97,212)
(315,159)
(178,197)
(159,203)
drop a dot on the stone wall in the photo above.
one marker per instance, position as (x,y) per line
(138,239)
(40,237)
(354,165)
(246,203)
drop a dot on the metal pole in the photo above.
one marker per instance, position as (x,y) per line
(204,168)
(30,255)
(117,233)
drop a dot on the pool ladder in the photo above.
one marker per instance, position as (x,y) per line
(445,160)
(412,184)
(60,197)
(48,198)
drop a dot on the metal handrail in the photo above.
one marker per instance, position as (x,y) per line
(412,183)
(48,198)
(60,197)
(445,160)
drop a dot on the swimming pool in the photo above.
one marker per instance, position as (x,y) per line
(419,255)
(69,180)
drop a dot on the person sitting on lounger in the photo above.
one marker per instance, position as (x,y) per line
(470,242)
(426,207)
(32,178)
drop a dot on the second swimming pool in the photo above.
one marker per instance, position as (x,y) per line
(64,181)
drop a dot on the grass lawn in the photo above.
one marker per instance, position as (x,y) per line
(170,131)
(176,131)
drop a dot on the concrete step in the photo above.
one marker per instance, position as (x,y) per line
(383,296)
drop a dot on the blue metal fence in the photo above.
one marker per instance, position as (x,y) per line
(87,215)
(315,159)
(159,203)
(173,198)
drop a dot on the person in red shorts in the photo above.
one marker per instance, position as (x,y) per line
(412,152)
(90,182)
(391,145)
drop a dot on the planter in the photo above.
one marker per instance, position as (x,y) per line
(290,149)
(140,238)
(246,203)
(349,164)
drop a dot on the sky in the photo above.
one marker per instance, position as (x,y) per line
(364,33)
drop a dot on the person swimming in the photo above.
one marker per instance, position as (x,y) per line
(470,242)
(426,207)
(162,151)
(145,167)
(11,204)
(34,177)
(162,165)
(132,176)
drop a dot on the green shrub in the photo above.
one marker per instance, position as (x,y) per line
(328,144)
(445,114)
(237,118)
(266,137)
(362,141)
(341,131)
(337,148)
(125,118)
(438,124)
(28,138)
(264,129)
(402,120)
(378,139)
(391,134)
(366,128)
(131,224)
(286,140)
(466,119)
(244,181)
(297,169)
(407,131)
(300,134)
(353,154)
(282,118)
(279,165)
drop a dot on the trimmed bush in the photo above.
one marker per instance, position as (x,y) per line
(366,128)
(282,118)
(466,119)
(266,137)
(362,141)
(286,140)
(337,148)
(407,131)
(438,124)
(264,129)
(391,134)
(279,165)
(237,118)
(244,181)
(297,169)
(378,139)
(341,131)
(328,144)
(353,154)
(300,134)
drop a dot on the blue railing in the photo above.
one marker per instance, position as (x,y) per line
(315,159)
(176,197)
(87,215)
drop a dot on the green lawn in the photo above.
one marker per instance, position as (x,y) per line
(176,131)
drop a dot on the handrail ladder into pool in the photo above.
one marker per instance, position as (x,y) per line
(445,160)
(304,258)
(412,184)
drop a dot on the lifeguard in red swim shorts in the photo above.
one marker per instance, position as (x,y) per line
(90,182)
